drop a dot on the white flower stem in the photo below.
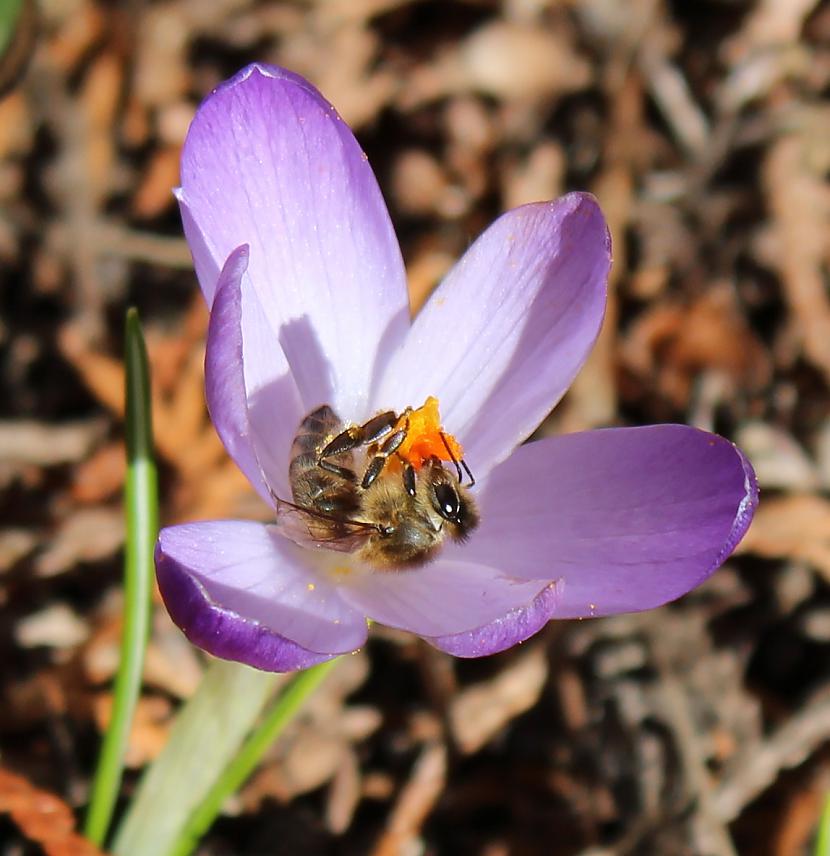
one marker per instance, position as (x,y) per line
(205,738)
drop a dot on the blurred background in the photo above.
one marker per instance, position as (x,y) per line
(704,129)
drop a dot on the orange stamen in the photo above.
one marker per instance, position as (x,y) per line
(423,440)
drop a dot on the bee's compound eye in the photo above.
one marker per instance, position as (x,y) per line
(386,531)
(447,502)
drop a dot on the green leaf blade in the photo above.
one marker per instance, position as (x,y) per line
(141,501)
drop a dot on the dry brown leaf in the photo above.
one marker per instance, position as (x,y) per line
(42,817)
(15,125)
(101,476)
(778,459)
(792,527)
(78,24)
(170,351)
(414,803)
(173,122)
(15,544)
(103,375)
(218,491)
(341,59)
(800,821)
(99,658)
(155,192)
(418,182)
(99,101)
(506,60)
(787,747)
(539,176)
(511,60)
(149,728)
(310,760)
(56,626)
(344,794)
(799,199)
(822,453)
(135,123)
(759,73)
(482,710)
(87,535)
(673,96)
(171,663)
(771,23)
(677,343)
(29,442)
(161,74)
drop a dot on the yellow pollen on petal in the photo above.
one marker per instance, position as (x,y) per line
(425,438)
(311,586)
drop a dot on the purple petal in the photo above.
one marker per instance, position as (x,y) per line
(250,392)
(268,162)
(275,409)
(504,335)
(240,591)
(224,379)
(626,518)
(505,632)
(441,598)
(224,634)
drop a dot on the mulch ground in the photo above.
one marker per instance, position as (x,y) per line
(701,728)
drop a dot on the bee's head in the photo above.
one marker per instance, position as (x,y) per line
(412,526)
(449,500)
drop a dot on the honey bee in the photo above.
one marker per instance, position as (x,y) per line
(400,510)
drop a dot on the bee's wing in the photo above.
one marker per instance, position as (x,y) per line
(310,528)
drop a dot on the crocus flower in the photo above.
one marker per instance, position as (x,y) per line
(298,262)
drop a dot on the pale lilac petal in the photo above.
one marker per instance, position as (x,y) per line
(503,336)
(224,378)
(250,392)
(222,633)
(268,162)
(243,581)
(441,598)
(275,408)
(505,632)
(205,262)
(625,518)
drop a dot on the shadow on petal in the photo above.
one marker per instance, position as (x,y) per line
(310,366)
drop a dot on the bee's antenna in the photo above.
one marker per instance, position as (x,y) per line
(456,463)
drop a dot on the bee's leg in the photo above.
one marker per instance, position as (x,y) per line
(378,426)
(344,472)
(409,478)
(360,435)
(390,445)
(463,463)
(353,437)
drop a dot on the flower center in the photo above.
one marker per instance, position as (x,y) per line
(425,438)
(377,495)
